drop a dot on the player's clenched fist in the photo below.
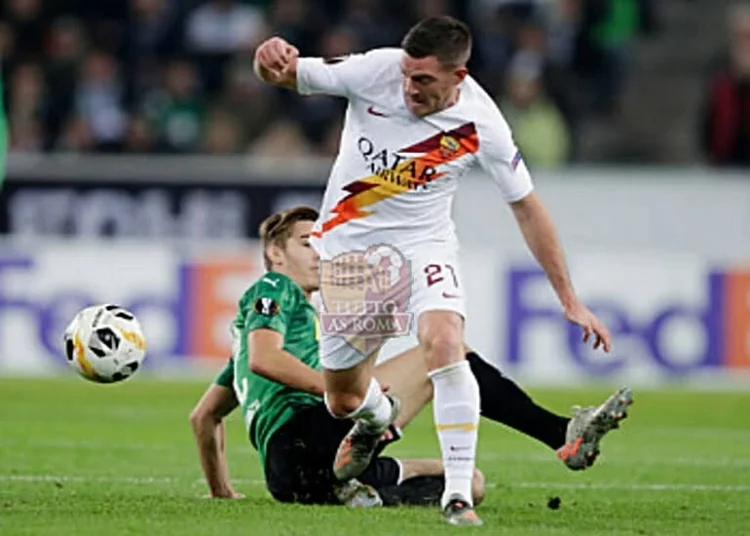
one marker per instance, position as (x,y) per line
(274,58)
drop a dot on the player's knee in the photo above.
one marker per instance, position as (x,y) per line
(478,487)
(341,405)
(443,342)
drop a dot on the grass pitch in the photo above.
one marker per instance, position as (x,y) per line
(85,459)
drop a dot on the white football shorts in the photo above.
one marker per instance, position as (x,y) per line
(435,285)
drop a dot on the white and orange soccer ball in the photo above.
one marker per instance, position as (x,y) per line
(105,343)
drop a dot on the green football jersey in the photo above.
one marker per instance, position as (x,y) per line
(225,378)
(274,302)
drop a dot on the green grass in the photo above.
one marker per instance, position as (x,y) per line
(86,459)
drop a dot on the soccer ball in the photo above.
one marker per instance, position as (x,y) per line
(105,343)
(388,259)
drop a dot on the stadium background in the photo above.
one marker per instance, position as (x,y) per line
(144,154)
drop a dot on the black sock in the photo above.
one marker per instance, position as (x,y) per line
(416,491)
(503,401)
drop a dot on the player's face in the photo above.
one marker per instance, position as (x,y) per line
(299,260)
(429,86)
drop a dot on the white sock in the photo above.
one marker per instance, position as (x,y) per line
(375,410)
(456,409)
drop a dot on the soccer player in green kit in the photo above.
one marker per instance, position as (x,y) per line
(280,389)
(275,378)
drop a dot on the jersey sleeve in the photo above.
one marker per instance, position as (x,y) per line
(343,76)
(269,304)
(501,159)
(225,378)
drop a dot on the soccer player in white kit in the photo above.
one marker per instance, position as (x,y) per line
(416,122)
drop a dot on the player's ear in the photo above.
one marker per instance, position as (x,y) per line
(275,253)
(461,73)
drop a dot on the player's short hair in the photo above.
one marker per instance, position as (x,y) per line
(444,37)
(277,228)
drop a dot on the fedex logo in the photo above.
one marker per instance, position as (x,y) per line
(710,330)
(185,305)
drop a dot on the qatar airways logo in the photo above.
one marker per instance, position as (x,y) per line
(410,173)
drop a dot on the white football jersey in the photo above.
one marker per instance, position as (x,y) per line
(395,175)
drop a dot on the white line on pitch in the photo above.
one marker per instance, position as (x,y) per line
(709,488)
(80,478)
(532,458)
(712,488)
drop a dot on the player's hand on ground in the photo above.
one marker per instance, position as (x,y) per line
(580,315)
(274,56)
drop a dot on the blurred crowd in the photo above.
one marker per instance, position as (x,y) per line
(725,128)
(175,76)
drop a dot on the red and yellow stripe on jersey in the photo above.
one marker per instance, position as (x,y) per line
(438,150)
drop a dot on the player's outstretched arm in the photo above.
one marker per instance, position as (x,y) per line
(541,237)
(270,360)
(207,421)
(275,63)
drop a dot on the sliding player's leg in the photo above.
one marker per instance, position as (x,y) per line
(414,482)
(503,401)
(297,462)
(298,469)
(575,440)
